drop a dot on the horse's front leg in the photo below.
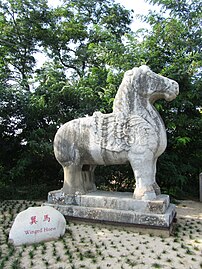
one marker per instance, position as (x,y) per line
(155,185)
(144,168)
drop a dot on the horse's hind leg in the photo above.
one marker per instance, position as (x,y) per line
(88,177)
(73,180)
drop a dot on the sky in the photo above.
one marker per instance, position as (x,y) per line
(140,7)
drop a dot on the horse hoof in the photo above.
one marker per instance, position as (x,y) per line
(149,196)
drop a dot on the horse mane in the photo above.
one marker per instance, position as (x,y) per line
(126,90)
(121,100)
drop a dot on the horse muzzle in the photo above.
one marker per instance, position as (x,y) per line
(173,91)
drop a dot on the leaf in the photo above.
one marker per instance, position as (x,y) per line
(183,140)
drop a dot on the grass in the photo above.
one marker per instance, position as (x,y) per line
(156,265)
(92,247)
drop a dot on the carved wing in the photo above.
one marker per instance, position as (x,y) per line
(114,132)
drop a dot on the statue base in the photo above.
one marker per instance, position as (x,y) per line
(117,208)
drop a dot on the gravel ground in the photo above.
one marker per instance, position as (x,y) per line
(91,246)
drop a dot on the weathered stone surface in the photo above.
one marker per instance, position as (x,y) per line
(111,200)
(134,132)
(37,224)
(116,207)
(118,216)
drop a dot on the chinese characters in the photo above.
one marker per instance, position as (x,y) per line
(34,220)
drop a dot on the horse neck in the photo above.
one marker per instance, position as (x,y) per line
(141,107)
(146,110)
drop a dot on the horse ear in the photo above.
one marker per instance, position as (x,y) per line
(135,69)
(144,68)
(129,72)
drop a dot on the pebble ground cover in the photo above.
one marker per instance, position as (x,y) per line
(91,246)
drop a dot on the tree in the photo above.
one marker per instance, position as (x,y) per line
(87,34)
(89,45)
(172,48)
(22,22)
(77,36)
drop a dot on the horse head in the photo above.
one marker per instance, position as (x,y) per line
(153,86)
(142,84)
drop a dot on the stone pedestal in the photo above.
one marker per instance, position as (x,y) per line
(118,208)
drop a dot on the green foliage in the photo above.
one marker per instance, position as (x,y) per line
(173,48)
(85,34)
(89,45)
(78,37)
(115,178)
(20,23)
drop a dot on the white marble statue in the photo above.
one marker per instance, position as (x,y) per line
(134,132)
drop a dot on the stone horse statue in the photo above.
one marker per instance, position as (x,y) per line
(134,132)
